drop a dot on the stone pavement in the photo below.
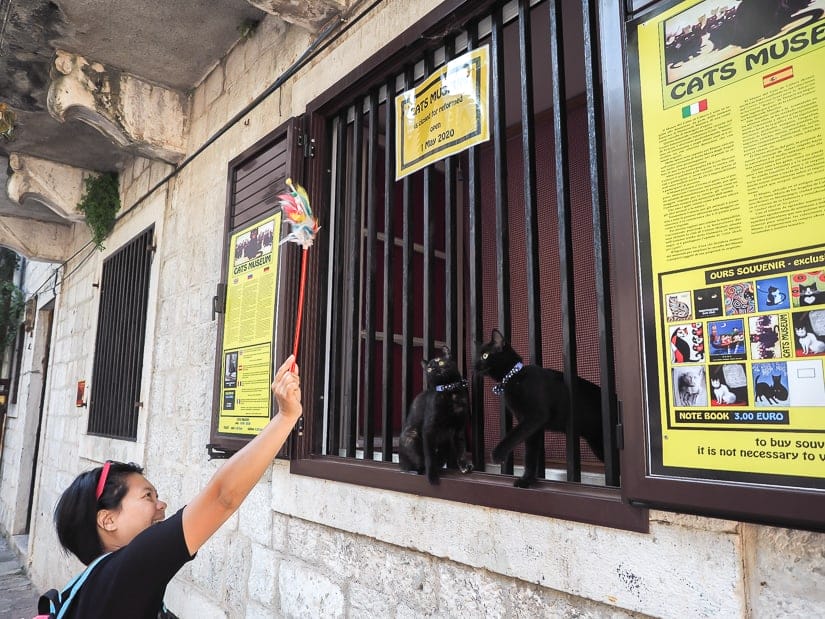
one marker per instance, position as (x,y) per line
(18,597)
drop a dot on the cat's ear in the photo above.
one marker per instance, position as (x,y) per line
(497,337)
(445,352)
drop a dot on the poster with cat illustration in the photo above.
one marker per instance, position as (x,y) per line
(808,289)
(739,298)
(728,385)
(768,336)
(770,384)
(708,302)
(772,294)
(689,387)
(679,307)
(729,210)
(687,343)
(726,340)
(809,333)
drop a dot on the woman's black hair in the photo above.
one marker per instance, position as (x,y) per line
(75,516)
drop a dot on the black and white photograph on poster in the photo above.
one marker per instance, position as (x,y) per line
(255,243)
(728,385)
(229,400)
(726,340)
(772,294)
(687,343)
(806,385)
(770,384)
(689,386)
(230,377)
(713,31)
(809,333)
(708,302)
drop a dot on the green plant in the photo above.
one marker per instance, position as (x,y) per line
(99,204)
(7,122)
(11,298)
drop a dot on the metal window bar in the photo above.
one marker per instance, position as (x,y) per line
(357,133)
(600,238)
(369,274)
(531,217)
(406,284)
(353,275)
(475,267)
(114,402)
(336,342)
(387,357)
(499,134)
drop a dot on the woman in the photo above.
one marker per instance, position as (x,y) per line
(114,509)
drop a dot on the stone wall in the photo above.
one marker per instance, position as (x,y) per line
(306,547)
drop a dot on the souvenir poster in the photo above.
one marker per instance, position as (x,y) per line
(728,120)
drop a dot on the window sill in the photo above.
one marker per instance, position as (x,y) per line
(579,503)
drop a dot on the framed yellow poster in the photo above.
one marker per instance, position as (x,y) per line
(245,403)
(728,121)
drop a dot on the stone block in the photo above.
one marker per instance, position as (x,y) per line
(263,576)
(305,592)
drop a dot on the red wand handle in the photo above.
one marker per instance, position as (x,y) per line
(301,287)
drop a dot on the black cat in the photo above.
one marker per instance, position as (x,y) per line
(538,399)
(773,393)
(433,434)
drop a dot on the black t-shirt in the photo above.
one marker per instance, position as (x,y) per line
(130,582)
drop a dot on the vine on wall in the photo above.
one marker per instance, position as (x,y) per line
(100,203)
(11,298)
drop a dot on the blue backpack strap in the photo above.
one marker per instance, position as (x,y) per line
(74,586)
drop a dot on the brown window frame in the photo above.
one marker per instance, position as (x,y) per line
(592,504)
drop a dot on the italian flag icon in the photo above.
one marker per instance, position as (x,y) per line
(694,108)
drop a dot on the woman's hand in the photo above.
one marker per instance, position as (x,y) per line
(287,389)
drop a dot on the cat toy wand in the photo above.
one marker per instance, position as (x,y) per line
(304,227)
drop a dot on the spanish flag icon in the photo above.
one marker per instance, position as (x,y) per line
(771,79)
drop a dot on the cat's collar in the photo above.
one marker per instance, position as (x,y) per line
(462,384)
(498,388)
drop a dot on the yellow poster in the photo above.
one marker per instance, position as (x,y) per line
(729,141)
(248,328)
(446,114)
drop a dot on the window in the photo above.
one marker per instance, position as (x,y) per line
(115,403)
(510,234)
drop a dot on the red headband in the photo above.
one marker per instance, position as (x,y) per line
(102,481)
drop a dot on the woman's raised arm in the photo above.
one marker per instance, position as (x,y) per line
(231,483)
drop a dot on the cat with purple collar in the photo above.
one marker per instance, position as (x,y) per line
(538,399)
(434,432)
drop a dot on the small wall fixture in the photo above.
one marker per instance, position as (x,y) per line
(81,394)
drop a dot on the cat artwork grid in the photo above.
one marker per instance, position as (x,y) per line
(538,399)
(433,435)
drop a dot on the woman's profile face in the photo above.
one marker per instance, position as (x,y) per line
(139,509)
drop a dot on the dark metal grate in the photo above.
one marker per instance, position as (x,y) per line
(493,237)
(114,403)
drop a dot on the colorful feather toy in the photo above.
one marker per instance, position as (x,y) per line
(295,206)
(304,226)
